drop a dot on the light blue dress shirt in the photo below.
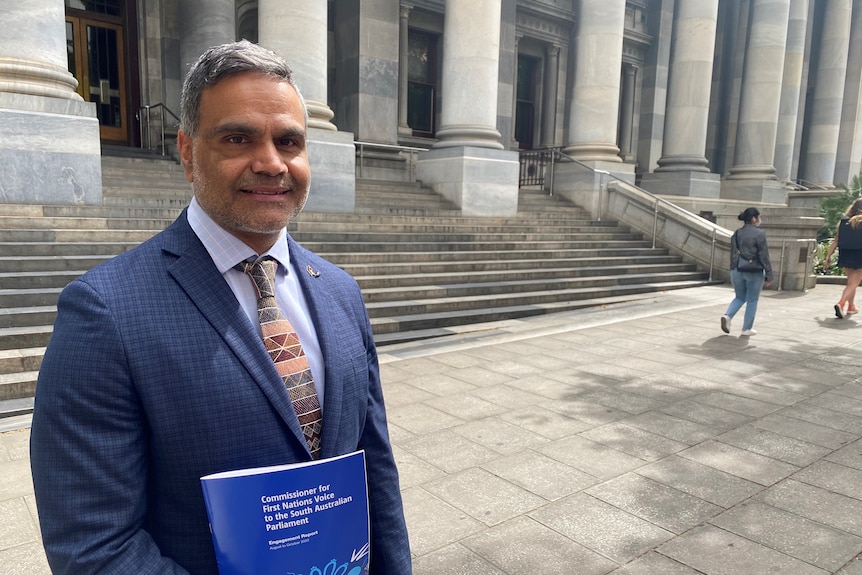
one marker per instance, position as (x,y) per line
(227,250)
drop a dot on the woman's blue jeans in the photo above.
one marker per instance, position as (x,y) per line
(747,286)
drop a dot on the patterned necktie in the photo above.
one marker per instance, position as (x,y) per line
(283,345)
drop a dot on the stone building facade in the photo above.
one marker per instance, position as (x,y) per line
(706,102)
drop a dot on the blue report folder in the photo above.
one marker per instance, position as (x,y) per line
(299,519)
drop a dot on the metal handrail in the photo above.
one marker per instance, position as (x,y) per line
(412,152)
(144,116)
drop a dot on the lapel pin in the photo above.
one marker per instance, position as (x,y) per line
(312,272)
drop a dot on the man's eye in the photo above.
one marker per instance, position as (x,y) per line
(236,139)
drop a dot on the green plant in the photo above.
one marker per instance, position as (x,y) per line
(834,206)
(820,267)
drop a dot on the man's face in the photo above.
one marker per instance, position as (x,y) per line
(248,163)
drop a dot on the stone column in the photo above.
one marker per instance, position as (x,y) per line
(403,61)
(630,73)
(49,137)
(203,24)
(794,60)
(468,165)
(683,166)
(594,103)
(822,145)
(514,142)
(752,176)
(471,48)
(297,31)
(850,137)
(549,91)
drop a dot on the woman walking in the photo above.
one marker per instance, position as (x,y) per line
(848,240)
(750,270)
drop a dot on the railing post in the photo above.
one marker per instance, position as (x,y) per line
(781,266)
(553,163)
(712,255)
(163,129)
(655,222)
(361,159)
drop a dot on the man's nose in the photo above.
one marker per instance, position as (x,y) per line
(268,160)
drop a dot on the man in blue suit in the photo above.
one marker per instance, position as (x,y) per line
(156,374)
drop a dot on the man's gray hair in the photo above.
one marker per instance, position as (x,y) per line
(220,62)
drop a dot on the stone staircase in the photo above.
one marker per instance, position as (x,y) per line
(425,271)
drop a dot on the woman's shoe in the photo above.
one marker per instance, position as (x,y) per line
(839,313)
(851,310)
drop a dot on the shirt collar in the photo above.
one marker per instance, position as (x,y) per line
(225,249)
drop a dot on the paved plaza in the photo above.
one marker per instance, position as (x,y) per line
(635,439)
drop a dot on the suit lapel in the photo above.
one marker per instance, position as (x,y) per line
(313,282)
(196,273)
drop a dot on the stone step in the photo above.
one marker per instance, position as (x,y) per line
(407,238)
(28,316)
(36,280)
(18,385)
(76,236)
(466,246)
(342,258)
(56,250)
(395,329)
(449,297)
(421,277)
(15,413)
(20,360)
(573,265)
(14,298)
(24,337)
(11,266)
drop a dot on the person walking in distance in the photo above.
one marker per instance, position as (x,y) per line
(750,270)
(848,240)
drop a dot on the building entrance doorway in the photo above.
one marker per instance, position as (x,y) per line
(96,53)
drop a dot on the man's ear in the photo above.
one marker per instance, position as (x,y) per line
(184,146)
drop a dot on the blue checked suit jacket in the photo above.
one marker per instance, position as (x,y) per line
(155,377)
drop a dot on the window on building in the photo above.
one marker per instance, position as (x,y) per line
(422,82)
(525,102)
(109,7)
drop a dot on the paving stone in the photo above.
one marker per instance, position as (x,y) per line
(26,559)
(504,438)
(853,568)
(413,470)
(739,462)
(453,560)
(523,546)
(702,481)
(586,411)
(546,387)
(448,451)
(804,431)
(802,538)
(480,376)
(545,422)
(837,478)
(16,525)
(774,445)
(420,418)
(817,504)
(590,457)
(466,407)
(827,417)
(601,527)
(634,441)
(705,414)
(546,477)
(432,523)
(678,429)
(619,399)
(737,403)
(665,506)
(849,455)
(717,552)
(508,396)
(484,496)
(655,564)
